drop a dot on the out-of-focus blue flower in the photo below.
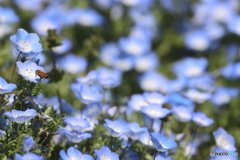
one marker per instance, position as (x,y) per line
(133,46)
(176,99)
(7,15)
(202,120)
(27,43)
(204,82)
(72,63)
(155,97)
(136,102)
(104,3)
(105,153)
(87,94)
(146,62)
(135,130)
(77,124)
(124,62)
(155,111)
(153,81)
(6,87)
(87,17)
(197,96)
(214,31)
(2,133)
(231,71)
(75,136)
(163,156)
(177,84)
(28,69)
(73,153)
(109,52)
(141,32)
(234,25)
(30,156)
(109,78)
(224,140)
(223,95)
(90,78)
(116,128)
(130,155)
(161,143)
(28,143)
(34,6)
(65,46)
(190,67)
(116,12)
(92,110)
(21,116)
(197,39)
(182,113)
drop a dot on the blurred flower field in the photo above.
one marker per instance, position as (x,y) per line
(120,79)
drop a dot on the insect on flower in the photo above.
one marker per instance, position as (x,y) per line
(41,74)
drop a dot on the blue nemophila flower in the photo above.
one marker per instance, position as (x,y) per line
(231,71)
(223,95)
(2,133)
(146,62)
(161,143)
(90,78)
(28,143)
(155,97)
(6,87)
(204,82)
(182,113)
(87,17)
(155,111)
(135,130)
(72,63)
(137,101)
(134,46)
(176,99)
(109,78)
(28,156)
(202,120)
(65,46)
(21,116)
(75,136)
(7,15)
(190,67)
(105,154)
(28,69)
(109,52)
(224,140)
(87,93)
(77,124)
(27,43)
(197,96)
(74,154)
(116,128)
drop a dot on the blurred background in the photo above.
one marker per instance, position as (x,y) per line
(188,47)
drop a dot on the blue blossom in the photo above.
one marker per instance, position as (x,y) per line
(92,110)
(116,128)
(202,120)
(224,140)
(155,111)
(73,153)
(109,78)
(197,96)
(87,17)
(134,46)
(2,133)
(21,116)
(105,154)
(177,99)
(6,87)
(190,67)
(66,45)
(75,136)
(8,15)
(146,62)
(223,95)
(142,32)
(161,143)
(204,82)
(137,101)
(214,30)
(135,130)
(77,124)
(104,3)
(28,143)
(182,113)
(155,97)
(28,69)
(72,63)
(34,6)
(231,71)
(234,24)
(27,43)
(109,52)
(90,78)
(30,156)
(87,93)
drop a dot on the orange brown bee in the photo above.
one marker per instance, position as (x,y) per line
(41,74)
